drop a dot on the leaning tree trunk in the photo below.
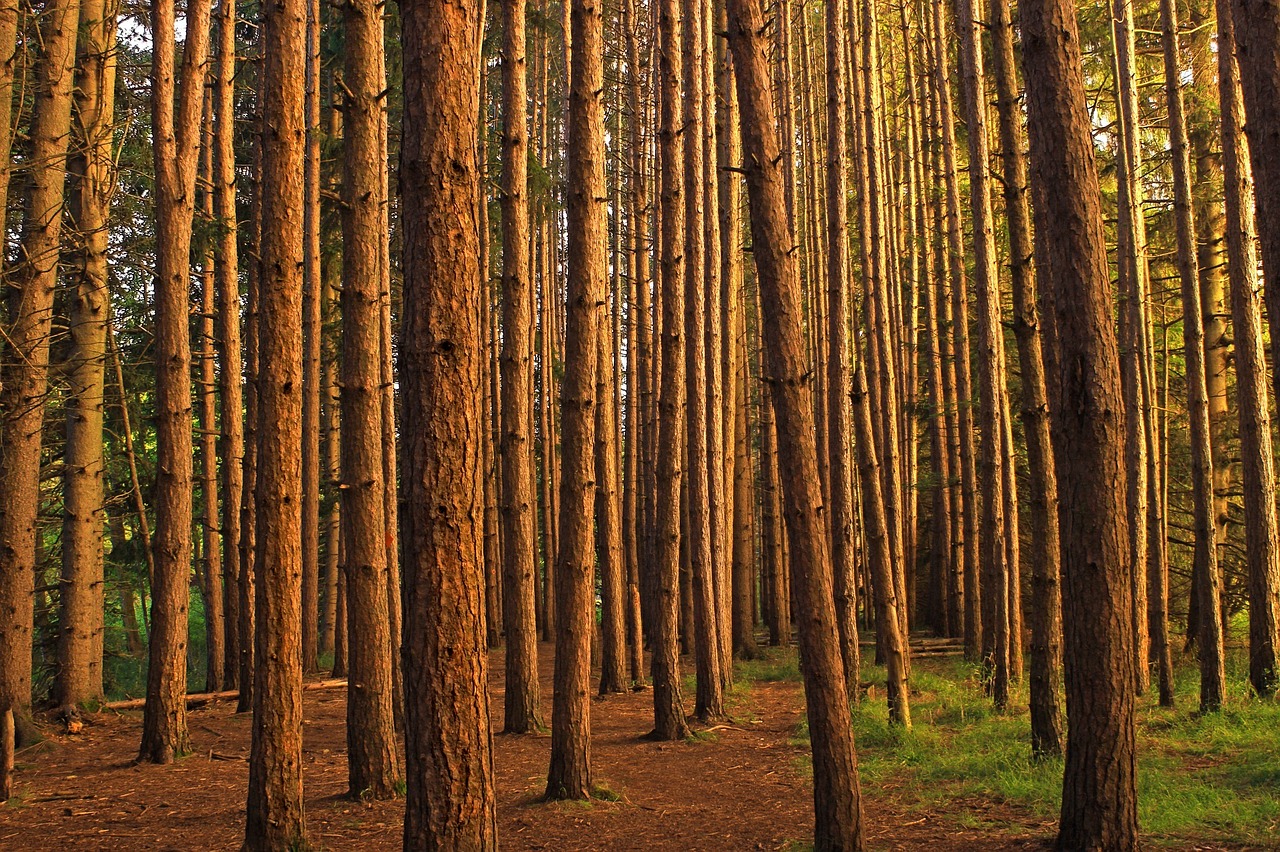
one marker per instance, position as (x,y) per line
(449,771)
(1099,802)
(835,771)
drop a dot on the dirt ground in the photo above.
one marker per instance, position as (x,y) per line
(740,785)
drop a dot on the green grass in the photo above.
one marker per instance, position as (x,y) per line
(1213,778)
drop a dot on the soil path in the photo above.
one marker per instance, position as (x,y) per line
(741,785)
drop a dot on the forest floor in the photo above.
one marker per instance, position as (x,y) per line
(742,784)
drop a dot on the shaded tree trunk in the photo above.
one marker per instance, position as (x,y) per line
(1099,802)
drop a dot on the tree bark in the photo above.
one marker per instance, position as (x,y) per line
(176,150)
(92,173)
(835,772)
(449,771)
(1262,540)
(1205,566)
(372,763)
(1099,803)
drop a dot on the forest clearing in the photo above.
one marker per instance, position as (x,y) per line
(627,424)
(962,780)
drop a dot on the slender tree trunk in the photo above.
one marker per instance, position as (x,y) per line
(211,542)
(838,437)
(372,764)
(311,289)
(1099,802)
(176,153)
(227,284)
(1045,540)
(1212,665)
(450,799)
(837,804)
(991,368)
(519,543)
(973,628)
(608,516)
(92,173)
(1259,479)
(668,707)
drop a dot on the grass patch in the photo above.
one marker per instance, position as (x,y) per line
(1212,778)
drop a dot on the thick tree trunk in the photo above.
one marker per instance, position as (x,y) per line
(1099,802)
(1257,34)
(569,775)
(835,772)
(24,383)
(449,771)
(1262,540)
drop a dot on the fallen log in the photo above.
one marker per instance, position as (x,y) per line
(197,699)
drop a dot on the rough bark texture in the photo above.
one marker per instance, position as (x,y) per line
(835,772)
(1045,610)
(449,771)
(1257,34)
(372,763)
(519,545)
(1099,803)
(668,707)
(1262,540)
(92,172)
(175,148)
(569,776)
(274,817)
(311,290)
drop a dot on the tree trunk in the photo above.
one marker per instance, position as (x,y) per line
(1046,598)
(274,818)
(227,284)
(668,707)
(835,772)
(1259,479)
(991,367)
(92,172)
(1212,671)
(1099,802)
(311,331)
(522,713)
(24,383)
(372,764)
(449,771)
(176,149)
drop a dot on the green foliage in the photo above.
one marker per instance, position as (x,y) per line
(1205,778)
